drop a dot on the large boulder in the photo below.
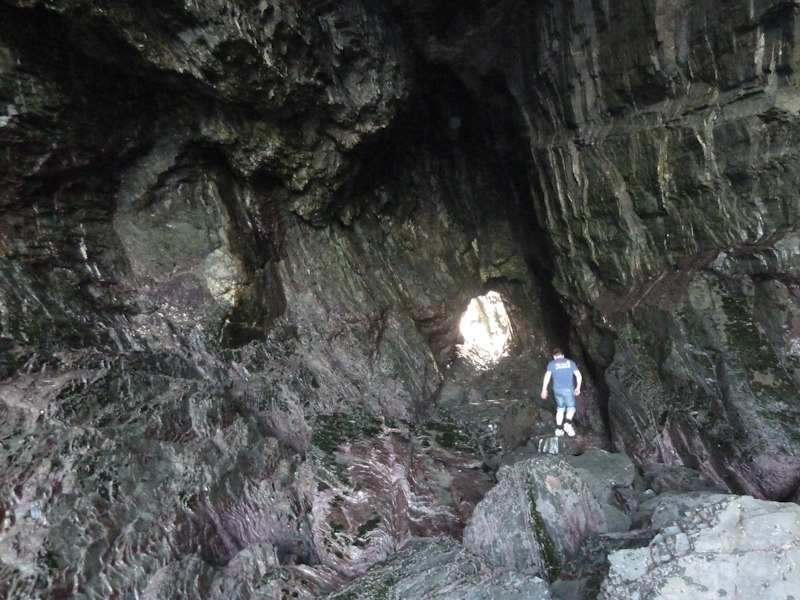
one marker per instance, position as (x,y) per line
(605,473)
(535,518)
(720,546)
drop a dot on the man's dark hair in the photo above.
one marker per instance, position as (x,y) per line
(557,351)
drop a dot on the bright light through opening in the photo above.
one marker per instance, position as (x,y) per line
(486,329)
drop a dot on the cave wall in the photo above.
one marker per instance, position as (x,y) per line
(226,226)
(664,158)
(660,164)
(227,300)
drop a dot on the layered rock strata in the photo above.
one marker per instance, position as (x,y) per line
(237,240)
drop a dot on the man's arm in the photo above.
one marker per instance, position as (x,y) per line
(545,383)
(579,379)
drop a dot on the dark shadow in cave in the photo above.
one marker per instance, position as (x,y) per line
(444,118)
(473,144)
(503,131)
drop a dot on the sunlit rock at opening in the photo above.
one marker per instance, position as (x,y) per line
(486,329)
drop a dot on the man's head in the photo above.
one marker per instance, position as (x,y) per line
(558,353)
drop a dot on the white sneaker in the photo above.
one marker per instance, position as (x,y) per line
(569,429)
(559,432)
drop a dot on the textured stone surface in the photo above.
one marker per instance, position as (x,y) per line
(535,518)
(440,569)
(663,172)
(605,474)
(175,341)
(725,546)
(668,178)
(229,227)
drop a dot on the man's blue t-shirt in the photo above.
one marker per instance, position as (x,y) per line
(562,370)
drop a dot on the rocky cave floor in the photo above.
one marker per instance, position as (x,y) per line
(591,500)
(570,518)
(478,501)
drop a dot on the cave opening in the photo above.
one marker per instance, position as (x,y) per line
(486,330)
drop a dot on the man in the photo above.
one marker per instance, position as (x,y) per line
(561,370)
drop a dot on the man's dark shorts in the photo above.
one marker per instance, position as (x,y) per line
(565,398)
